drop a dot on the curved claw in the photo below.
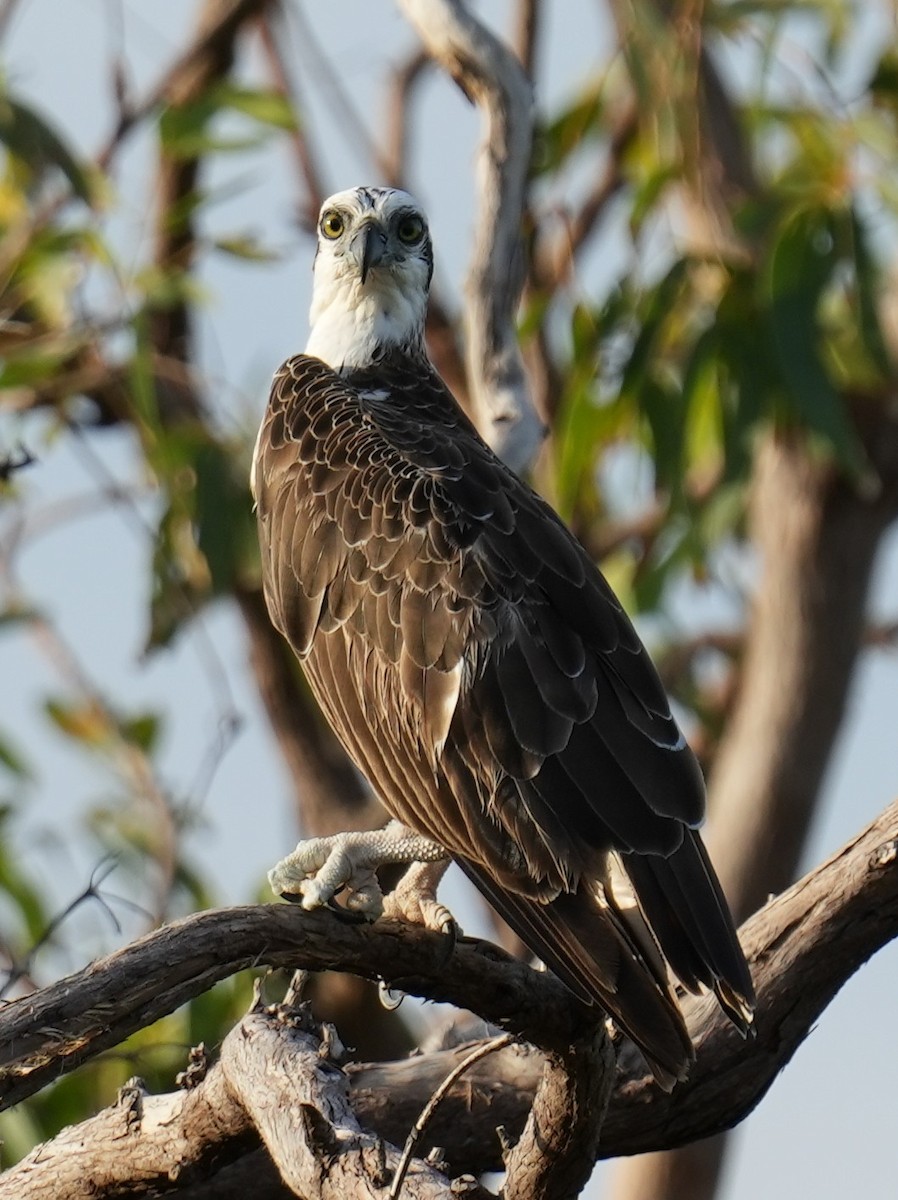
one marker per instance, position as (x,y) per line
(320,868)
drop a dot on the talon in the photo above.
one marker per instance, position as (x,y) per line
(346,914)
(320,868)
(314,894)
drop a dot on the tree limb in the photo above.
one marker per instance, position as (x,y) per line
(557,1150)
(299,1102)
(850,902)
(275,1079)
(490,74)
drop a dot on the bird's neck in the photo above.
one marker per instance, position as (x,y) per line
(355,326)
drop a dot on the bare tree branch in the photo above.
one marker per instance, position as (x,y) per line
(426,1115)
(299,1101)
(219,25)
(490,74)
(275,1080)
(849,903)
(557,1150)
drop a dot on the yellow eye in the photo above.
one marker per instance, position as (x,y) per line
(332,224)
(410,230)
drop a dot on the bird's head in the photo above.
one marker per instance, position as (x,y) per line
(372,275)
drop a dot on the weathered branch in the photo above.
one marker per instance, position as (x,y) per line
(851,902)
(275,1080)
(299,1102)
(490,74)
(556,1153)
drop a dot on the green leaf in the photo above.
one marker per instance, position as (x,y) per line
(747,379)
(801,264)
(142,381)
(247,247)
(179,574)
(883,84)
(84,722)
(662,300)
(12,760)
(868,286)
(566,134)
(664,408)
(26,370)
(648,191)
(35,143)
(185,132)
(266,107)
(142,731)
(223,515)
(27,898)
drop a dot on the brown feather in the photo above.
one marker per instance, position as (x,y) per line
(483,676)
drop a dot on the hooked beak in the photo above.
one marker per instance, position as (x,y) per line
(367,248)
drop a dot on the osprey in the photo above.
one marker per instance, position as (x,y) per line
(472,659)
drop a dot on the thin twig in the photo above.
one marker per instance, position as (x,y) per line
(22,970)
(310,173)
(402,83)
(210,35)
(11,463)
(434,1102)
(348,116)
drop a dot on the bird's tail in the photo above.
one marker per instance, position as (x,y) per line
(585,938)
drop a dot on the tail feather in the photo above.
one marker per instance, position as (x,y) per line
(584,940)
(685,906)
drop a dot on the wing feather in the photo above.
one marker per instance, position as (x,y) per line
(482,674)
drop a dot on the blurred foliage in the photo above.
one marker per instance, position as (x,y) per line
(697,349)
(694,349)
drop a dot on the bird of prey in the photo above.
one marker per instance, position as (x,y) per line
(472,659)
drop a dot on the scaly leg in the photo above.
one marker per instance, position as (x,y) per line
(318,868)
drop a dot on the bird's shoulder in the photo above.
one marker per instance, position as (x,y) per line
(390,444)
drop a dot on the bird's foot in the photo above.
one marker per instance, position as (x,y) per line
(320,867)
(414,898)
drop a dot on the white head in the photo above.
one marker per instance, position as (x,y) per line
(372,274)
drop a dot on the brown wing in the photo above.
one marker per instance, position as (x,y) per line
(483,676)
